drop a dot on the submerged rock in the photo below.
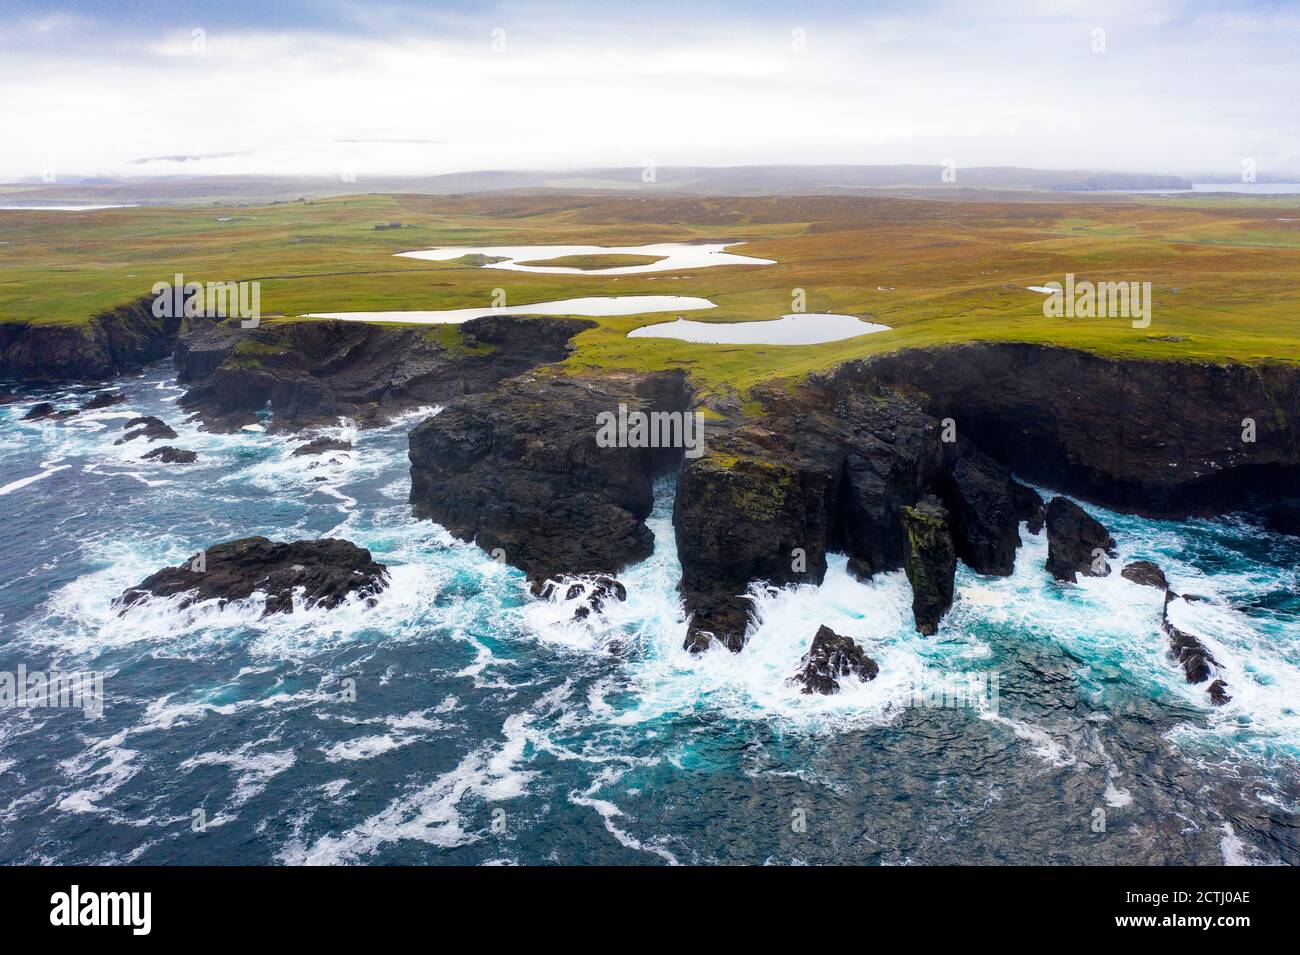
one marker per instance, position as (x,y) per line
(169,455)
(931,563)
(147,427)
(1186,649)
(1146,573)
(1219,693)
(326,572)
(104,399)
(830,657)
(1190,654)
(602,590)
(321,445)
(39,411)
(1076,543)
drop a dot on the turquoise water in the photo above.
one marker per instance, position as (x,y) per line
(487,727)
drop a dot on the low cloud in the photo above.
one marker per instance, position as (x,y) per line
(1186,88)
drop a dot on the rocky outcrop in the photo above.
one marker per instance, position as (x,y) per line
(321,446)
(1076,543)
(829,467)
(40,411)
(121,339)
(1160,438)
(1197,663)
(594,594)
(1219,693)
(1029,507)
(519,469)
(831,658)
(148,427)
(322,572)
(1146,573)
(987,506)
(169,455)
(309,373)
(104,399)
(931,563)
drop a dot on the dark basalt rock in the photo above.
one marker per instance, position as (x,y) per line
(42,410)
(1029,506)
(986,508)
(520,469)
(169,455)
(828,468)
(1186,650)
(1190,654)
(1146,573)
(104,399)
(1219,693)
(321,445)
(121,339)
(830,657)
(147,427)
(328,571)
(1159,438)
(1073,537)
(311,373)
(931,563)
(603,589)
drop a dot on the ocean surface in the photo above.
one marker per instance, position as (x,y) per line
(460,721)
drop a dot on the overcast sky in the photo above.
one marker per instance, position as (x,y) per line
(335,86)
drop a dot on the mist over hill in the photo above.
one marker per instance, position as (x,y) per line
(693,180)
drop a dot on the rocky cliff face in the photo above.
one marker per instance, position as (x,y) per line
(310,373)
(519,471)
(118,340)
(828,468)
(832,463)
(931,563)
(1161,438)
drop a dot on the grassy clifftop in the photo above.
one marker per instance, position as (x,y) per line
(1225,275)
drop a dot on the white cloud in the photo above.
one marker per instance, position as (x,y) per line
(1174,91)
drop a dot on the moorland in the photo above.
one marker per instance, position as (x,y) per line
(1225,272)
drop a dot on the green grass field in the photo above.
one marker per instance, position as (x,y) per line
(1225,273)
(594,263)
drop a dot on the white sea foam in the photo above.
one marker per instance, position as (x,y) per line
(1234,850)
(490,773)
(254,769)
(25,482)
(755,683)
(608,812)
